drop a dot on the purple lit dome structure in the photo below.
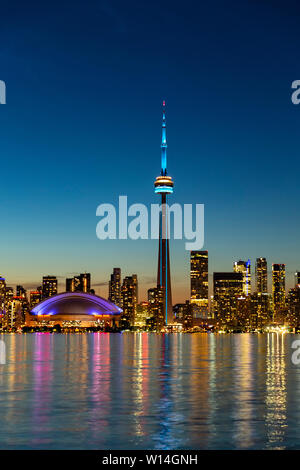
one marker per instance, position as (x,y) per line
(76,306)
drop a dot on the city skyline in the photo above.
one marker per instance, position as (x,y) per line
(62,282)
(237,304)
(149,260)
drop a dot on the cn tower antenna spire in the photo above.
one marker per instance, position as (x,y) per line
(164,143)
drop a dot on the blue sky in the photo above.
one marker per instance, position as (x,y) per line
(81,126)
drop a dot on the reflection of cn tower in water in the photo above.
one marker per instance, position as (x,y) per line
(163,186)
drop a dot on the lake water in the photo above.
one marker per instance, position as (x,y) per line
(149,391)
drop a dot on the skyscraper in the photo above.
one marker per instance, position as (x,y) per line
(2,293)
(14,317)
(187,319)
(163,186)
(21,296)
(199,282)
(278,286)
(80,283)
(2,298)
(114,287)
(293,303)
(244,267)
(297,279)
(35,297)
(21,292)
(261,309)
(228,287)
(261,272)
(49,286)
(129,298)
(9,293)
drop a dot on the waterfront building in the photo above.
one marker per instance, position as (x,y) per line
(278,287)
(156,303)
(129,298)
(9,294)
(114,287)
(261,309)
(21,292)
(13,317)
(199,283)
(49,286)
(228,287)
(2,292)
(2,298)
(293,307)
(244,267)
(178,312)
(187,320)
(184,314)
(35,297)
(21,296)
(75,309)
(261,272)
(242,318)
(143,312)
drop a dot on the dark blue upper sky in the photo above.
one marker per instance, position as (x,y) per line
(85,82)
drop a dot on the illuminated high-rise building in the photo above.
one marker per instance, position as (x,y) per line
(178,310)
(297,279)
(2,298)
(278,286)
(156,306)
(9,293)
(49,286)
(80,283)
(261,309)
(244,267)
(199,282)
(2,292)
(242,318)
(293,304)
(261,272)
(114,287)
(129,298)
(21,292)
(35,297)
(228,287)
(21,296)
(142,314)
(164,186)
(14,314)
(187,320)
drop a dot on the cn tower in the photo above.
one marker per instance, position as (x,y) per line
(164,186)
